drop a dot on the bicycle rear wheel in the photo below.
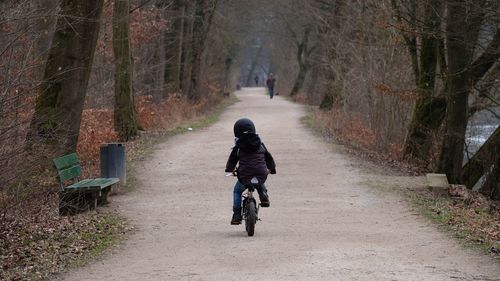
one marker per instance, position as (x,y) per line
(251,218)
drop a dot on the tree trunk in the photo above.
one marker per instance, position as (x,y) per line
(485,62)
(197,42)
(303,59)
(429,113)
(204,10)
(312,87)
(44,26)
(332,94)
(173,47)
(55,124)
(459,60)
(428,116)
(227,69)
(125,114)
(481,162)
(491,187)
(186,42)
(299,82)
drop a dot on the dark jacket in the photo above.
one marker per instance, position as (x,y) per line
(270,82)
(254,158)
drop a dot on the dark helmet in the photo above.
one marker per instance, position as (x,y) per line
(244,125)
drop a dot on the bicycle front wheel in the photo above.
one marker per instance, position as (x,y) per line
(251,218)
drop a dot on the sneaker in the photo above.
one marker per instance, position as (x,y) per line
(264,200)
(236,219)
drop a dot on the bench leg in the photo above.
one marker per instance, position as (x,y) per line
(103,199)
(64,207)
(92,201)
(70,202)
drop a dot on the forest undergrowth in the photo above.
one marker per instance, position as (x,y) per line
(469,216)
(473,219)
(36,243)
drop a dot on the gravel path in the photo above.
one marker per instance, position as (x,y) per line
(325,222)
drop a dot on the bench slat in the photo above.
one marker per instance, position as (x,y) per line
(94,183)
(106,181)
(70,173)
(66,161)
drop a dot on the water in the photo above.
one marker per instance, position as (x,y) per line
(475,136)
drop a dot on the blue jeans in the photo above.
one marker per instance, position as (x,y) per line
(238,191)
(271,91)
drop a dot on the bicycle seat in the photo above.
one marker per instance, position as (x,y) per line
(252,184)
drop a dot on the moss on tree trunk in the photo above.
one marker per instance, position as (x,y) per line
(428,116)
(55,124)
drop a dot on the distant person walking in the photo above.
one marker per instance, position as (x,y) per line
(271,81)
(256,78)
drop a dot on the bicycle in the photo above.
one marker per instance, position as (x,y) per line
(250,208)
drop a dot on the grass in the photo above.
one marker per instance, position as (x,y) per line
(108,229)
(311,122)
(105,230)
(470,223)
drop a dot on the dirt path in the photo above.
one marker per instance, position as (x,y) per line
(324,223)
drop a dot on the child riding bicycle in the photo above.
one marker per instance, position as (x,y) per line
(254,161)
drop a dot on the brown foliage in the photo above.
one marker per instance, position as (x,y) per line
(474,218)
(143,24)
(37,242)
(97,124)
(96,129)
(361,141)
(347,128)
(403,95)
(162,115)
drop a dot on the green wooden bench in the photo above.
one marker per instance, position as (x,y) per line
(75,194)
